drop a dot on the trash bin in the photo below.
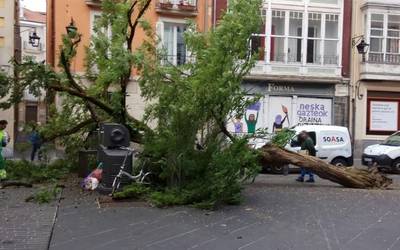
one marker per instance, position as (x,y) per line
(86,162)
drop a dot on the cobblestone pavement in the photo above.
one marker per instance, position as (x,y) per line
(24,225)
(277,213)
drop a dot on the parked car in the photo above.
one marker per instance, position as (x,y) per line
(385,155)
(333,145)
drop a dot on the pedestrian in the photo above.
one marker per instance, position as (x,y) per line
(36,142)
(307,147)
(4,139)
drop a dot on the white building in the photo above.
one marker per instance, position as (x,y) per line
(376,78)
(32,25)
(304,55)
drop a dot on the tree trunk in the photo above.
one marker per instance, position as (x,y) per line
(348,177)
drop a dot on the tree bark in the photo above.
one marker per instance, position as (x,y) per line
(347,177)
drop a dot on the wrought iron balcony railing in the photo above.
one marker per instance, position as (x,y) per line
(380,58)
(177,5)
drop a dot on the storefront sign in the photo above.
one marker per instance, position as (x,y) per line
(383,116)
(280,88)
(314,111)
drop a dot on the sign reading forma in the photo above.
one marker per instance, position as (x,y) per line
(384,116)
(314,111)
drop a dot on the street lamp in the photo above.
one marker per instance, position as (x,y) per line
(71,28)
(361,46)
(34,39)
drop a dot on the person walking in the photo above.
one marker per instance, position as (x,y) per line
(4,139)
(36,142)
(307,146)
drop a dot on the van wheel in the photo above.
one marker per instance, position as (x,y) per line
(396,166)
(339,162)
(277,169)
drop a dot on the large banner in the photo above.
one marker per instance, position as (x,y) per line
(249,122)
(383,116)
(279,113)
(314,111)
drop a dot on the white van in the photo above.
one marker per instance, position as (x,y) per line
(333,144)
(386,155)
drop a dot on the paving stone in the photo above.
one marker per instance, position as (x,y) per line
(277,213)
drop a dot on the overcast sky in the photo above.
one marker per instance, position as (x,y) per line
(37,5)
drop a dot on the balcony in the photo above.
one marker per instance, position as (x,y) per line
(294,64)
(177,7)
(379,66)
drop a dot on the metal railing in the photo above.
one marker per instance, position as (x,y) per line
(380,58)
(185,5)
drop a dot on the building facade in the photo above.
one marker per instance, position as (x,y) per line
(302,71)
(168,18)
(32,109)
(8,29)
(376,75)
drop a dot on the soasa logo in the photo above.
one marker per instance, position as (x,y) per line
(333,139)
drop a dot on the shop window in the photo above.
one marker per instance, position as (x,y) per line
(383,113)
(2,41)
(2,22)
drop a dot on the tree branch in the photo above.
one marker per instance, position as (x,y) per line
(70,131)
(82,95)
(65,64)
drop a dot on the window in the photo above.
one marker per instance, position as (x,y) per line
(384,38)
(174,44)
(331,39)
(278,36)
(290,43)
(2,22)
(295,36)
(258,40)
(393,39)
(376,38)
(2,41)
(1,3)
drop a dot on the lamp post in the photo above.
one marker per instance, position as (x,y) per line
(71,28)
(361,45)
(34,40)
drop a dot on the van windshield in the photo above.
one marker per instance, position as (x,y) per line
(393,140)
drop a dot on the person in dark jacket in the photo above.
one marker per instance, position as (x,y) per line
(307,145)
(36,142)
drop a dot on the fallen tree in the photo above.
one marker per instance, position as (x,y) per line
(347,177)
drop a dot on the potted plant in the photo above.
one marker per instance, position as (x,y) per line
(166,4)
(185,5)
